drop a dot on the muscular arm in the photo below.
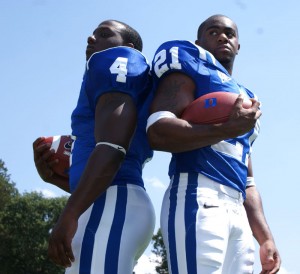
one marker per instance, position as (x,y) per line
(269,255)
(175,92)
(115,122)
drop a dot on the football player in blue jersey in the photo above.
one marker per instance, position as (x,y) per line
(109,219)
(205,214)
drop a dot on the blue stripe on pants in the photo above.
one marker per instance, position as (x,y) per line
(191,208)
(89,236)
(171,226)
(113,245)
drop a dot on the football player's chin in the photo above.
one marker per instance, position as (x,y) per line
(223,58)
(222,52)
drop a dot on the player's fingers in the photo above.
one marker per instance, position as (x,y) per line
(255,104)
(53,253)
(37,152)
(258,114)
(40,158)
(69,253)
(66,253)
(51,163)
(239,100)
(276,267)
(46,155)
(64,256)
(254,111)
(40,150)
(37,141)
(57,254)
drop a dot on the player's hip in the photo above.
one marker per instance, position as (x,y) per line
(114,231)
(197,220)
(197,185)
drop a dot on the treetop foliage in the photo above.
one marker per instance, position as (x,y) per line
(25,223)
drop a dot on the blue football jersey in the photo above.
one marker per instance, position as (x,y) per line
(225,162)
(119,69)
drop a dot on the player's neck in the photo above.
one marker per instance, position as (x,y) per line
(228,67)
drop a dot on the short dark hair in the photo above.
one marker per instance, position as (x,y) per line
(130,35)
(203,24)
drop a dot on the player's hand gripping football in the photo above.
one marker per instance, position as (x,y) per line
(242,120)
(42,155)
(44,162)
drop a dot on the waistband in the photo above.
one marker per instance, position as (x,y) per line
(207,186)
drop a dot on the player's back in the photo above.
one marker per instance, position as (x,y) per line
(105,73)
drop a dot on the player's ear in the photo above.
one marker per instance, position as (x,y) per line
(237,52)
(131,45)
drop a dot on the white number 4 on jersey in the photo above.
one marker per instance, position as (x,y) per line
(119,67)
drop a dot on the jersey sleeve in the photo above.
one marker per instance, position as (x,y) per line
(182,56)
(120,69)
(248,93)
(200,65)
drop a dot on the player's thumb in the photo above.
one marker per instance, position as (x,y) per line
(270,257)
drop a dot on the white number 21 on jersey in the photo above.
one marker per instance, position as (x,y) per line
(160,66)
(119,67)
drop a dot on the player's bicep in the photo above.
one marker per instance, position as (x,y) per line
(115,119)
(174,93)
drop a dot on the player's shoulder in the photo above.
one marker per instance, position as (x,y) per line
(118,52)
(121,57)
(186,49)
(180,55)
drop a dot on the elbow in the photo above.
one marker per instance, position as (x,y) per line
(156,140)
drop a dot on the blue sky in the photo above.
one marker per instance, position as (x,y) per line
(42,62)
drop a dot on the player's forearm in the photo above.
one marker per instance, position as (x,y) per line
(177,135)
(97,177)
(256,217)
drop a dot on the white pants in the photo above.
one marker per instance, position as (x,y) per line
(205,228)
(114,232)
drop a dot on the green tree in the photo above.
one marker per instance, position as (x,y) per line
(159,250)
(7,188)
(25,223)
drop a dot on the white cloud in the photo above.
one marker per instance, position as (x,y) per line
(155,182)
(146,265)
(47,193)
